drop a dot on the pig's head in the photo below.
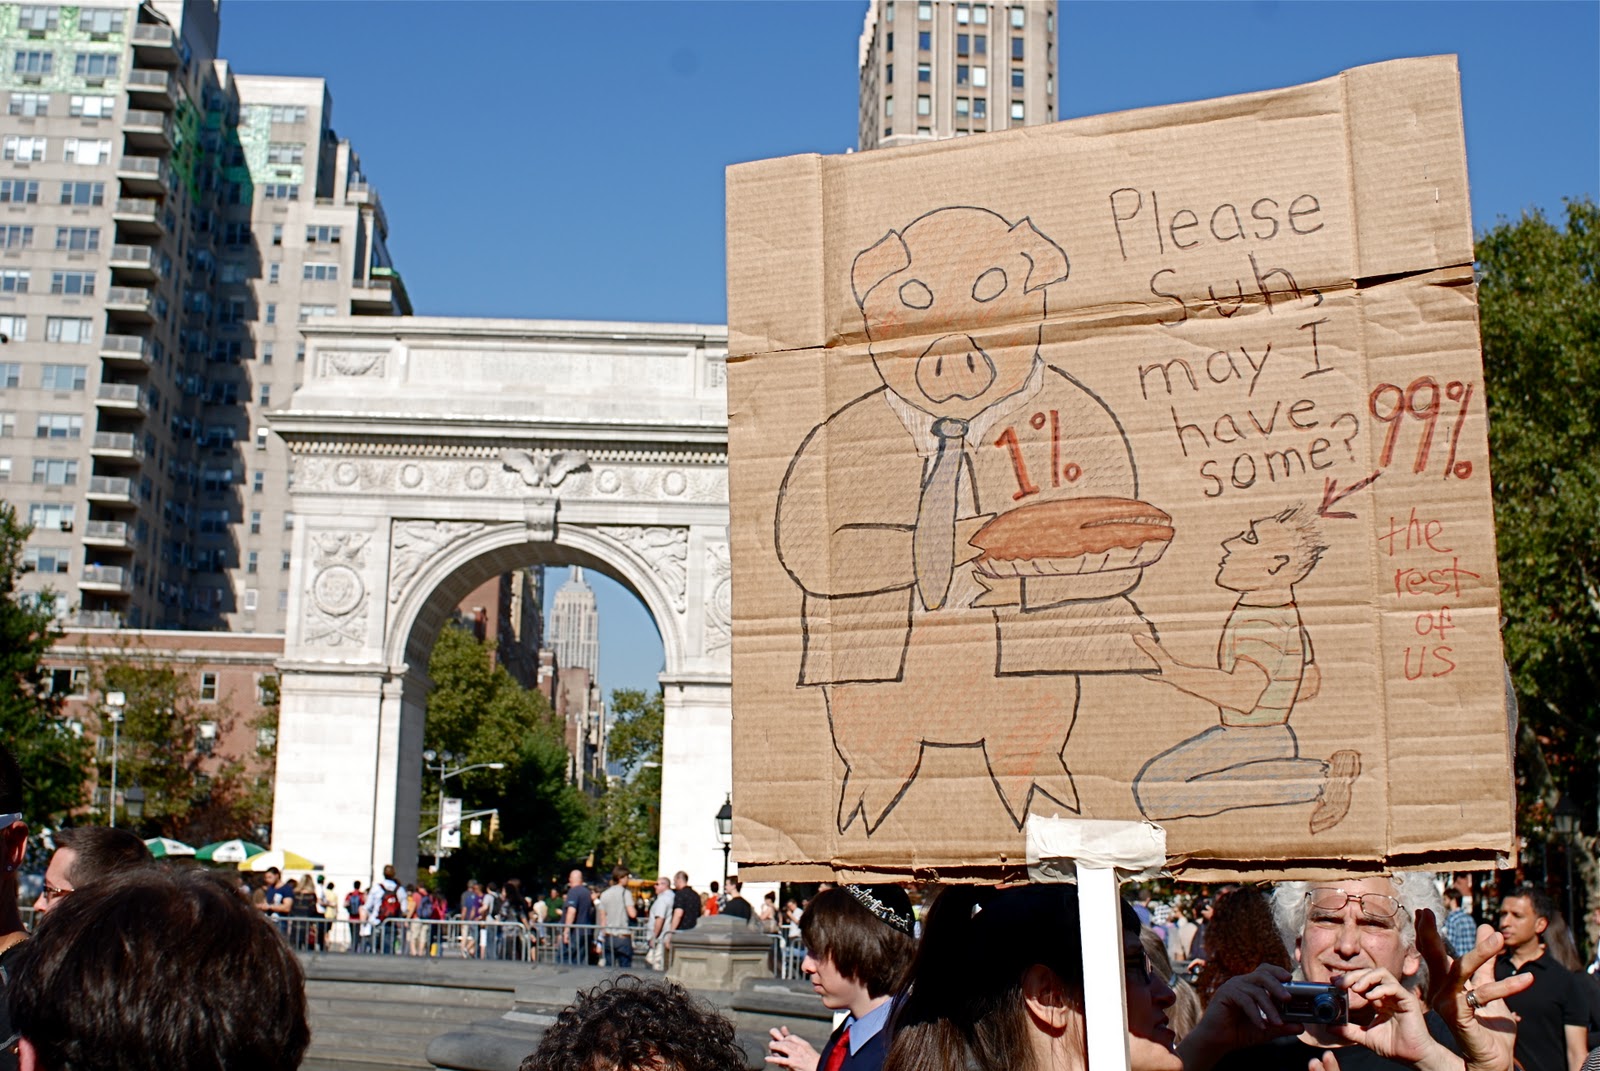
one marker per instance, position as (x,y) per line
(953,305)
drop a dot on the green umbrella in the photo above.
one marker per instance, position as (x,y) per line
(228,851)
(167,848)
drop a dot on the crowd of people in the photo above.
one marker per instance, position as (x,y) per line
(987,979)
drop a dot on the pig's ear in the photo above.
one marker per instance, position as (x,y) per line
(1047,262)
(872,266)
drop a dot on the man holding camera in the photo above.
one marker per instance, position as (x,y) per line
(1371,947)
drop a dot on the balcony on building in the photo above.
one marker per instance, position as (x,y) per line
(130,351)
(152,89)
(97,619)
(382,293)
(107,580)
(154,45)
(140,216)
(135,263)
(114,490)
(122,397)
(117,535)
(148,131)
(143,174)
(131,304)
(117,446)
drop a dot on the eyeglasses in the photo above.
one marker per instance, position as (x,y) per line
(11,819)
(51,894)
(1373,905)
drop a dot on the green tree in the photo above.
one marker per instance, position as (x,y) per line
(54,761)
(632,804)
(1539,301)
(191,793)
(481,714)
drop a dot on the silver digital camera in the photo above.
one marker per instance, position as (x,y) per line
(1315,1002)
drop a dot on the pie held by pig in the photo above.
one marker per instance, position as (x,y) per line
(1073,536)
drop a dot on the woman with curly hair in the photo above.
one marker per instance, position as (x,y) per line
(1240,937)
(628,1024)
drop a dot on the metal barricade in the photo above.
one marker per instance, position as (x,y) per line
(786,956)
(451,939)
(313,933)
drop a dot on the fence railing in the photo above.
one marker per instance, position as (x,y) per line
(451,939)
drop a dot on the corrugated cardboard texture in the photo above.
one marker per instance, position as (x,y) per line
(1133,467)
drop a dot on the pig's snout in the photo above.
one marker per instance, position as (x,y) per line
(955,366)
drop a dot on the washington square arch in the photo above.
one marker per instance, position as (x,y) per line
(429,455)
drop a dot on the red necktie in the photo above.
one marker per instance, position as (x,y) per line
(839,1051)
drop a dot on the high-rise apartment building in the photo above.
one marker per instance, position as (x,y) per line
(933,69)
(164,229)
(574,627)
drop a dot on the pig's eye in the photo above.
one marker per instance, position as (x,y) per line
(990,285)
(916,295)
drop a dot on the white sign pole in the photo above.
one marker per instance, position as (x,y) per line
(1104,995)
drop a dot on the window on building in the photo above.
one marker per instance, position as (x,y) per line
(963,44)
(288,113)
(288,521)
(100,20)
(34,62)
(71,329)
(32,104)
(255,522)
(980,76)
(10,375)
(15,328)
(1018,17)
(311,312)
(78,239)
(283,604)
(252,561)
(8,425)
(38,18)
(299,352)
(283,561)
(963,107)
(55,471)
(888,74)
(889,41)
(24,150)
(924,105)
(924,40)
(83,193)
(91,106)
(980,44)
(272,271)
(286,152)
(1016,48)
(963,74)
(72,282)
(14,281)
(281,191)
(320,272)
(258,481)
(980,108)
(1016,110)
(924,72)
(208,688)
(277,234)
(266,353)
(69,682)
(266,399)
(58,426)
(52,516)
(96,64)
(236,233)
(963,14)
(924,12)
(271,315)
(19,191)
(214,521)
(888,107)
(216,479)
(63,377)
(15,236)
(87,151)
(322,233)
(252,597)
(5,469)
(1016,78)
(261,433)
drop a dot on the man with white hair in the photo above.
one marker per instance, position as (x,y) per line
(1375,938)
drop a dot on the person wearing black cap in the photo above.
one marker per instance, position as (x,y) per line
(859,943)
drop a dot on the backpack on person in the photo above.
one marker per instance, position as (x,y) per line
(389,904)
(352,904)
(425,906)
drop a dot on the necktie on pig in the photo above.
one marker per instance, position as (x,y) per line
(933,544)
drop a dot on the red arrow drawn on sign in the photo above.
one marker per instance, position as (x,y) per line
(1331,495)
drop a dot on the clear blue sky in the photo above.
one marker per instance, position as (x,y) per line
(566,159)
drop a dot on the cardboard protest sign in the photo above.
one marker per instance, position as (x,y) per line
(1129,467)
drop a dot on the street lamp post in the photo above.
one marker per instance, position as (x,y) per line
(724,822)
(116,701)
(1565,820)
(445,773)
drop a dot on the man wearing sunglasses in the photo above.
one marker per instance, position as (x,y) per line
(1410,1006)
(13,844)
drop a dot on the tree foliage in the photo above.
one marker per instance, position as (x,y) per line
(631,833)
(1540,315)
(191,793)
(481,714)
(54,761)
